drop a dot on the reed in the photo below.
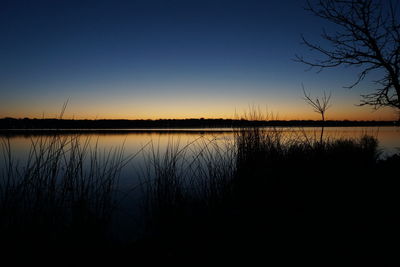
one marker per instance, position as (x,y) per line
(208,198)
(64,191)
(263,187)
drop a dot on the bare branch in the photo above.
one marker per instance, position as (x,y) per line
(368,37)
(319,105)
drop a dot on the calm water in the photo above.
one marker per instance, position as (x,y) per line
(134,140)
(145,148)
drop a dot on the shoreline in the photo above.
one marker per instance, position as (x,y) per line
(193,130)
(11,124)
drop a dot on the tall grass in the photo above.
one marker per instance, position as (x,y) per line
(207,171)
(270,188)
(184,181)
(208,197)
(63,191)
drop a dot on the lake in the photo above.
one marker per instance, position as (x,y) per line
(146,149)
(140,145)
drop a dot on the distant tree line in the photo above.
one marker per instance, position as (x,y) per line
(12,123)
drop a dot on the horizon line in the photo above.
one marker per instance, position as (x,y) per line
(200,119)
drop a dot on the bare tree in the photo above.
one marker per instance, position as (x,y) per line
(368,38)
(319,105)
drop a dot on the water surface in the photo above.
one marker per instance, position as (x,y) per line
(145,148)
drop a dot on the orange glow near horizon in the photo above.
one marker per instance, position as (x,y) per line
(302,113)
(193,106)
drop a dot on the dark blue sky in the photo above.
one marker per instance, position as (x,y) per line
(162,59)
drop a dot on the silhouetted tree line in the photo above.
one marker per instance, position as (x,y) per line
(11,123)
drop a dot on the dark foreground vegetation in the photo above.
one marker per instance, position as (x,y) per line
(266,197)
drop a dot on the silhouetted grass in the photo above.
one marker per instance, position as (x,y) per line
(185,180)
(264,195)
(62,195)
(275,197)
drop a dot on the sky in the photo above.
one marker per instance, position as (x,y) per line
(151,59)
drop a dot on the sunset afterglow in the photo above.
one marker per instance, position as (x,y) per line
(165,59)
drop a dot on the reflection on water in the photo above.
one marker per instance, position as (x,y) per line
(144,147)
(141,144)
(134,140)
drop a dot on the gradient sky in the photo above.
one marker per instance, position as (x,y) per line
(165,59)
